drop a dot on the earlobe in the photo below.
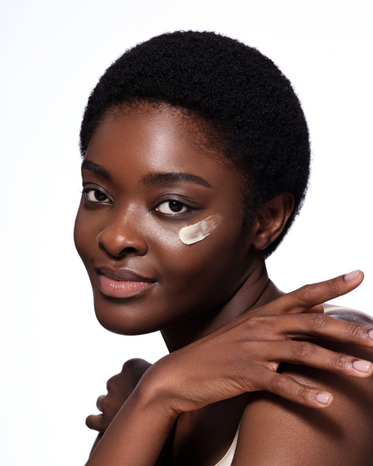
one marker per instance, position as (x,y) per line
(271,220)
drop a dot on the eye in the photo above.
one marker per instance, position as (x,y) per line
(95,196)
(171,208)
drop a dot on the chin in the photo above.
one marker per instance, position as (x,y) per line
(129,328)
(125,322)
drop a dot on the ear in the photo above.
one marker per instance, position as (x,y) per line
(271,220)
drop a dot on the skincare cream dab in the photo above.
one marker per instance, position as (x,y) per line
(199,231)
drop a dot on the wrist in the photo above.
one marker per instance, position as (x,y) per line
(145,415)
(153,393)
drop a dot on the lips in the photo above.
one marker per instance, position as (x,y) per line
(122,283)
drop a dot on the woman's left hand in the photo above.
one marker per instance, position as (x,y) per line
(119,388)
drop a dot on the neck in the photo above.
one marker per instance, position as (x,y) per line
(255,291)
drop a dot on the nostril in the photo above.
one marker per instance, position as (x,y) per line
(127,250)
(116,249)
(118,239)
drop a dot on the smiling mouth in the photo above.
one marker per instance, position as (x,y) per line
(122,283)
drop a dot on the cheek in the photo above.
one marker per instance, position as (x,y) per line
(199,231)
(83,235)
(207,271)
(78,231)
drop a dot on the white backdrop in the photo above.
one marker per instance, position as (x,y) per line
(55,357)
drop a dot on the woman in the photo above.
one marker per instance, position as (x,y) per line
(196,161)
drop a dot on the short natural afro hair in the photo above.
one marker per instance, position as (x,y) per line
(250,108)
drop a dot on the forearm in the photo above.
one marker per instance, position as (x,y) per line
(137,434)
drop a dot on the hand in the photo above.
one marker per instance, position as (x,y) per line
(119,388)
(244,355)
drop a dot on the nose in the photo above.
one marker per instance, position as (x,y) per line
(123,236)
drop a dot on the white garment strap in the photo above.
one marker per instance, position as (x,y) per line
(228,457)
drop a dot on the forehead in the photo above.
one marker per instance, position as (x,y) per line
(161,139)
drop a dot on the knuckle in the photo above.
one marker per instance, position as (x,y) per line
(253,321)
(133,364)
(104,404)
(279,384)
(341,361)
(98,402)
(302,394)
(356,331)
(128,365)
(252,327)
(290,389)
(282,337)
(333,287)
(306,294)
(303,350)
(316,321)
(110,384)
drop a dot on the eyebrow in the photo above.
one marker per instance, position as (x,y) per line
(93,167)
(151,178)
(162,178)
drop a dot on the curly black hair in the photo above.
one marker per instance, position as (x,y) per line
(254,118)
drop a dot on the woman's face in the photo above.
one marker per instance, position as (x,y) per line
(143,181)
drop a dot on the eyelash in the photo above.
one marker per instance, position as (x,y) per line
(172,214)
(88,191)
(176,203)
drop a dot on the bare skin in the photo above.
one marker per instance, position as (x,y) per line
(226,325)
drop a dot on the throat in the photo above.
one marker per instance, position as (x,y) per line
(255,290)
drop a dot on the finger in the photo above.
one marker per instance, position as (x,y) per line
(318,309)
(96,422)
(308,296)
(309,354)
(320,326)
(98,402)
(286,387)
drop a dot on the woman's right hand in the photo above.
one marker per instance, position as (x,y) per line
(244,355)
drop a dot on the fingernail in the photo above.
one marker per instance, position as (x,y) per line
(370,334)
(352,275)
(323,398)
(362,366)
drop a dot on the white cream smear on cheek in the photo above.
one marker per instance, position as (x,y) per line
(199,231)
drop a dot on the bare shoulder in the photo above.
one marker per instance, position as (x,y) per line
(277,432)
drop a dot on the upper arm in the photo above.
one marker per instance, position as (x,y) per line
(277,432)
